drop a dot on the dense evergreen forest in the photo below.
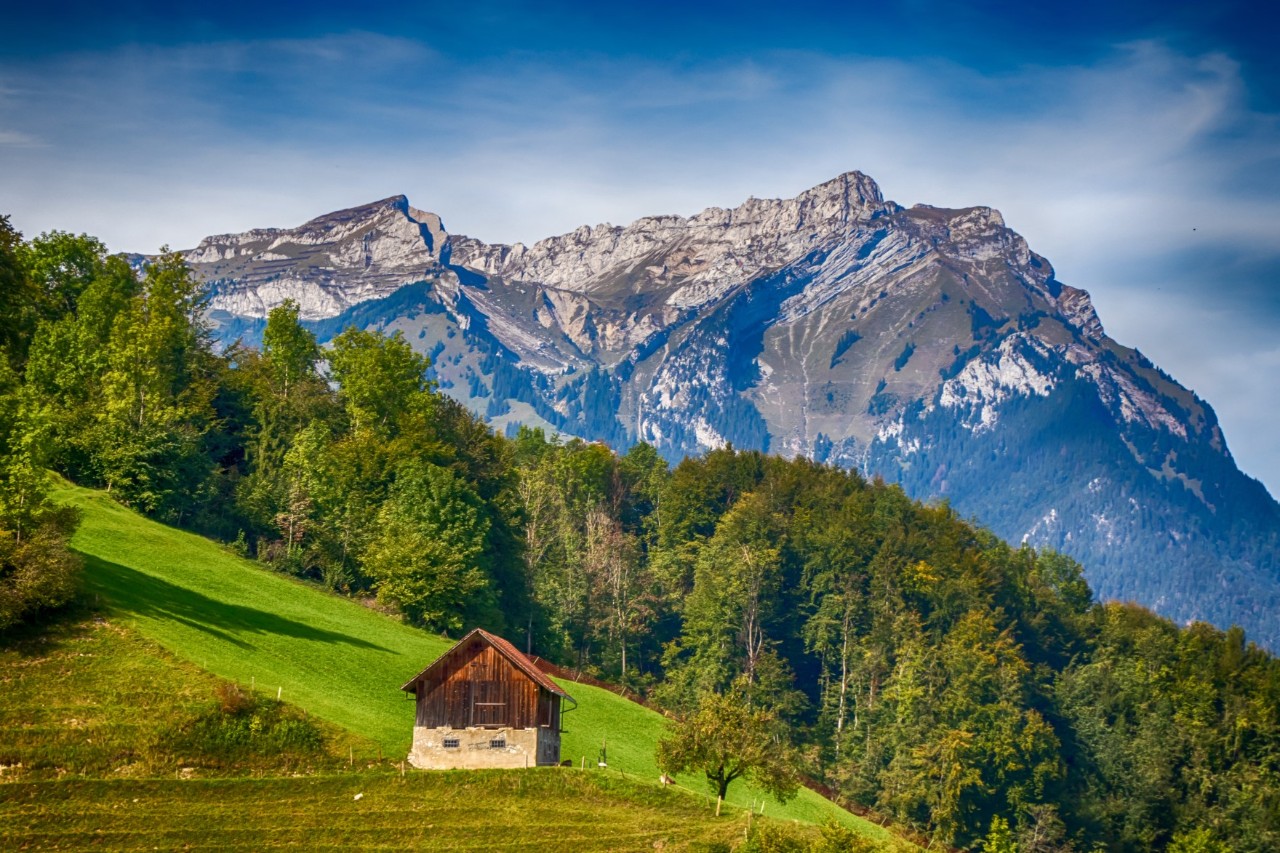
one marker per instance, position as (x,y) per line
(922,667)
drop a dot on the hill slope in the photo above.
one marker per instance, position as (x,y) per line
(328,655)
(107,766)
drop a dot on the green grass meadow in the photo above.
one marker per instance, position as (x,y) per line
(87,698)
(338,660)
(542,809)
(215,613)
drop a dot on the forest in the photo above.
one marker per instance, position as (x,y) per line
(915,663)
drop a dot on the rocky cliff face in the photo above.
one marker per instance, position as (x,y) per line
(327,265)
(927,345)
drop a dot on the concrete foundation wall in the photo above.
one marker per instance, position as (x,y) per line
(475,750)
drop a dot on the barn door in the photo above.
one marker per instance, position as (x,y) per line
(489,703)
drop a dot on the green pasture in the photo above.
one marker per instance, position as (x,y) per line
(543,809)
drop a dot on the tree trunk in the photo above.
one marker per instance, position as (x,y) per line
(844,680)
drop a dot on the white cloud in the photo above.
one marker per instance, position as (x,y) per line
(15,137)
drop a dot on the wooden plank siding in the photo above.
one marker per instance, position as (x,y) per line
(476,686)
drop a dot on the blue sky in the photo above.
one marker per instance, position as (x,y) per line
(1135,144)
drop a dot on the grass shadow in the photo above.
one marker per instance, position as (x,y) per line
(48,630)
(141,594)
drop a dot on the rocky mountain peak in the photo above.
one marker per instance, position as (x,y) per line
(852,195)
(1078,308)
(337,226)
(929,345)
(686,260)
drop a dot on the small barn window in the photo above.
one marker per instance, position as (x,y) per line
(451,743)
(498,743)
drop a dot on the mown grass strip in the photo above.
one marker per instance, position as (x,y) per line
(547,809)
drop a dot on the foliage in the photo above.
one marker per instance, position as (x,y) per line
(727,739)
(18,297)
(37,570)
(427,557)
(999,838)
(125,366)
(380,379)
(239,723)
(771,837)
(583,551)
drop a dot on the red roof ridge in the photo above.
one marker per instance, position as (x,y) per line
(510,652)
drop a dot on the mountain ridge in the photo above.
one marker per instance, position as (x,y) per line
(836,325)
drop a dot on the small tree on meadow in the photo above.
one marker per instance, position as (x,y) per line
(727,739)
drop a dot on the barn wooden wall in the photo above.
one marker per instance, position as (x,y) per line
(477,686)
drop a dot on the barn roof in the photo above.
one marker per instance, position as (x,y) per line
(508,651)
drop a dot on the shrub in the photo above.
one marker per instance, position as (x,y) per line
(773,837)
(233,700)
(769,837)
(238,725)
(38,572)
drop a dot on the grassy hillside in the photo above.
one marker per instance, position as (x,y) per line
(93,756)
(330,656)
(85,697)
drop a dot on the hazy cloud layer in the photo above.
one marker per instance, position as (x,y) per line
(1144,175)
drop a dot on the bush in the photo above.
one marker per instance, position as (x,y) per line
(233,700)
(39,571)
(773,837)
(769,837)
(239,725)
(841,839)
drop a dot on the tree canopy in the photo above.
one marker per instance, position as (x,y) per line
(726,739)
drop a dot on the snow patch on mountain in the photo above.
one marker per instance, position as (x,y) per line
(1135,405)
(1042,528)
(706,435)
(984,383)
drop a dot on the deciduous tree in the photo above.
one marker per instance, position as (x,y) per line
(727,739)
(427,556)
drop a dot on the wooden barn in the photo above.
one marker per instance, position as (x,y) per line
(484,704)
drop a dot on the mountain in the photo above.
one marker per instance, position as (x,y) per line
(930,346)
